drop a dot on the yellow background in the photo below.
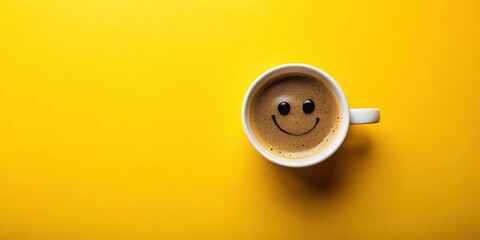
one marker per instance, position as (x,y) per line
(121,120)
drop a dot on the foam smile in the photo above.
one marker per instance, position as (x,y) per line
(294,134)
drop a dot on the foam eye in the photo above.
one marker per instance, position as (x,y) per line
(284,108)
(308,106)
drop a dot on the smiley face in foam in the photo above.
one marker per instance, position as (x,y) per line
(284,109)
(294,116)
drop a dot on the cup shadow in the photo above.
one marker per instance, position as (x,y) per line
(333,173)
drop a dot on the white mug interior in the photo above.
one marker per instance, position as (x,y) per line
(309,71)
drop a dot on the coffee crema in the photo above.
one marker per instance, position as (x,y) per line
(294,116)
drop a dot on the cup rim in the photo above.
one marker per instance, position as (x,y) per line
(309,70)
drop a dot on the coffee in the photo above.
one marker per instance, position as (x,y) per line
(294,116)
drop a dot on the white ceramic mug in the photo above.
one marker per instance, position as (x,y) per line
(349,116)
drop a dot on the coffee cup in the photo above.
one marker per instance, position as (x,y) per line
(296,115)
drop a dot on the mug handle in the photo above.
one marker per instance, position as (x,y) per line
(364,115)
